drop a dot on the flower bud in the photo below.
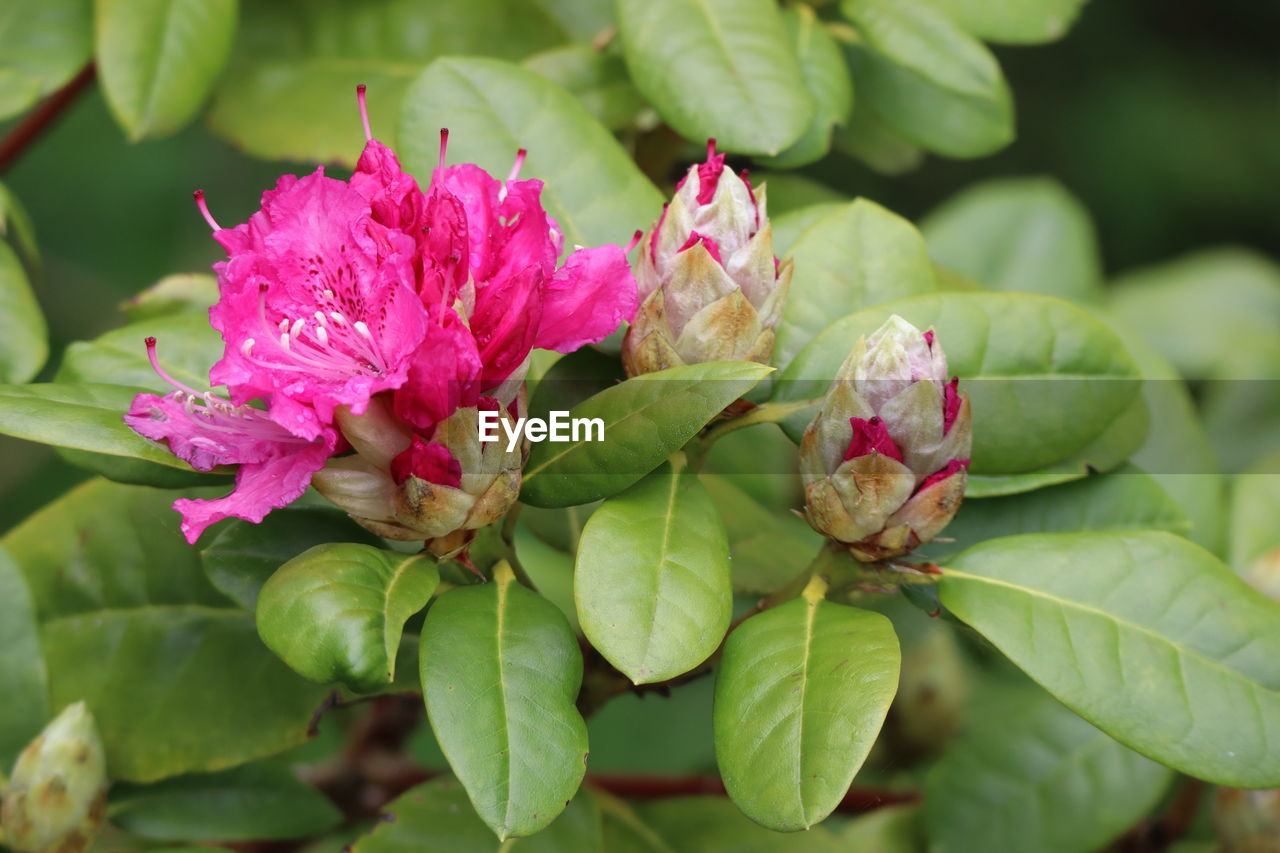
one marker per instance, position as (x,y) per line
(711,286)
(884,463)
(57,797)
(440,487)
(1247,821)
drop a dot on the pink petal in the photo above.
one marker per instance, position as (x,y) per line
(427,460)
(871,435)
(951,401)
(506,320)
(587,299)
(952,467)
(444,374)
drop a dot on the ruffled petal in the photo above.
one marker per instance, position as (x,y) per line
(587,299)
(443,375)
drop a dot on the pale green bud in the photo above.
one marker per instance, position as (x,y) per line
(56,799)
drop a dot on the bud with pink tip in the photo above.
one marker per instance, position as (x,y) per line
(711,286)
(885,461)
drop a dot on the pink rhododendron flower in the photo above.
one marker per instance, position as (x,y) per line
(373,315)
(208,431)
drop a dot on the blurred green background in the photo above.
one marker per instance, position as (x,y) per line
(1162,117)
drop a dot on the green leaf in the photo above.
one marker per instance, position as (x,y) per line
(500,672)
(1144,634)
(42,44)
(250,803)
(335,613)
(788,227)
(1126,499)
(1025,234)
(598,79)
(1199,309)
(181,293)
(767,546)
(289,90)
(750,94)
(652,577)
(103,546)
(1254,536)
(827,77)
(928,79)
(1024,359)
(801,694)
(81,417)
(177,689)
(1013,21)
(623,829)
(24,338)
(241,556)
(1122,439)
(15,225)
(23,682)
(493,108)
(437,818)
(1026,772)
(711,824)
(855,257)
(550,569)
(646,419)
(158,59)
(882,148)
(186,345)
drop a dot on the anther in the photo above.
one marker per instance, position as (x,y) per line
(364,112)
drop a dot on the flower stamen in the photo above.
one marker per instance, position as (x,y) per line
(364,112)
(203,207)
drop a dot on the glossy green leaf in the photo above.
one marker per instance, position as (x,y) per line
(1122,439)
(888,829)
(769,547)
(79,416)
(596,78)
(751,96)
(437,818)
(42,44)
(256,802)
(24,338)
(500,673)
(876,144)
(1029,776)
(104,546)
(1023,359)
(494,108)
(158,59)
(1024,234)
(177,689)
(23,682)
(928,79)
(855,257)
(1254,535)
(335,613)
(1144,634)
(788,227)
(186,345)
(549,568)
(289,90)
(1229,298)
(16,225)
(1014,21)
(646,419)
(652,577)
(710,824)
(181,293)
(242,555)
(623,831)
(801,694)
(1126,499)
(827,77)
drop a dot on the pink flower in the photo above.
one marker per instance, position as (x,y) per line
(208,431)
(871,436)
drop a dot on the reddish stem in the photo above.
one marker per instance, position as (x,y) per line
(42,118)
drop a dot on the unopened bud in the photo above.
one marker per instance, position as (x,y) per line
(885,461)
(711,287)
(57,797)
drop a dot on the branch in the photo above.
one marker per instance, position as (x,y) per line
(42,118)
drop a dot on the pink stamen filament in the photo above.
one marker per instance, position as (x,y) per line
(163,374)
(511,176)
(337,352)
(635,240)
(198,195)
(364,112)
(444,144)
